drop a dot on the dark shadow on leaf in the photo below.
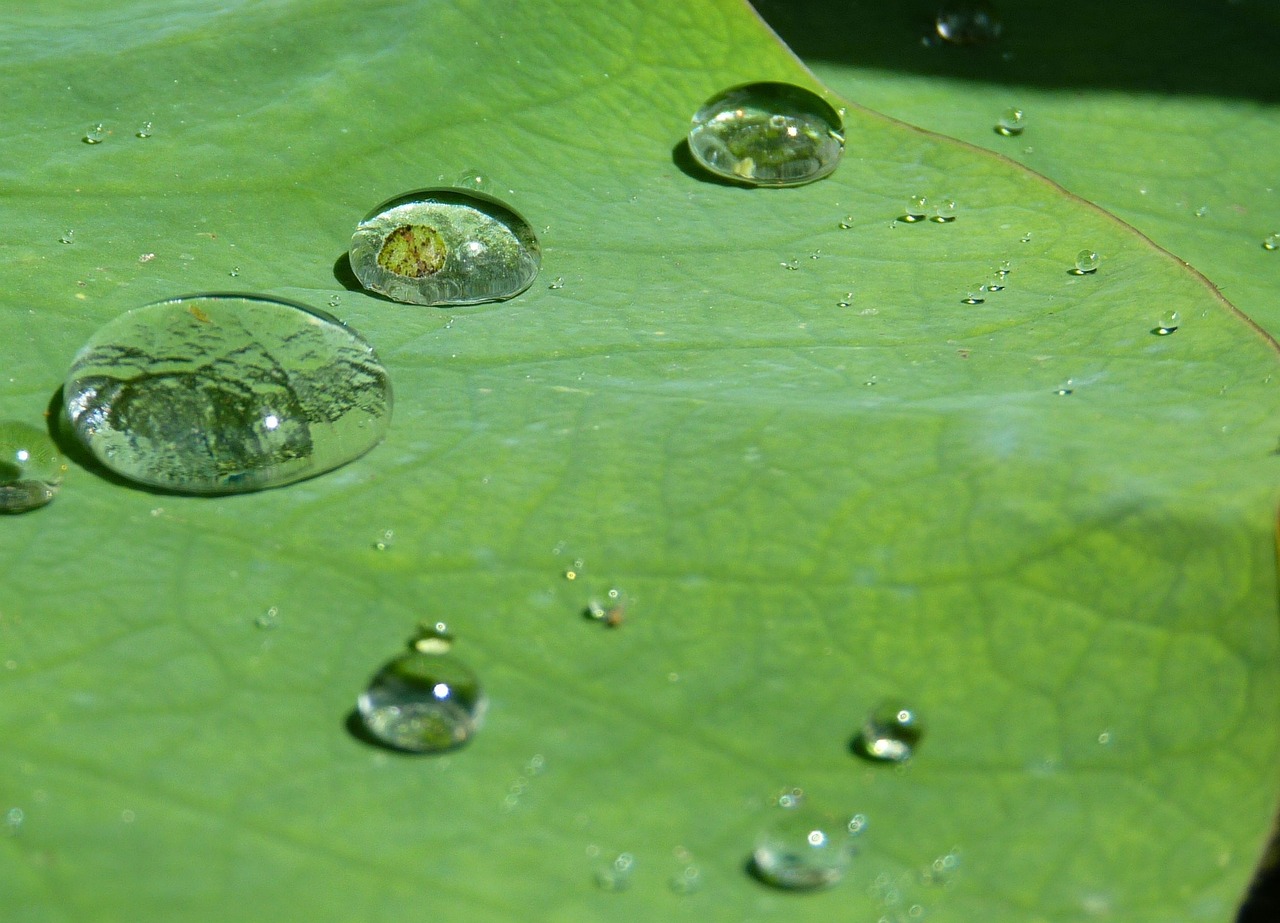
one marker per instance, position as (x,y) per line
(682,157)
(346,276)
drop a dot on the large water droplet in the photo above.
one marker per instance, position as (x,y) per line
(917,208)
(1167,324)
(215,394)
(445,247)
(1087,262)
(802,849)
(968,24)
(94,134)
(891,734)
(31,468)
(424,701)
(944,211)
(767,134)
(1011,122)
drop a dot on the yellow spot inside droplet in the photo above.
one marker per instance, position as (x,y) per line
(414,251)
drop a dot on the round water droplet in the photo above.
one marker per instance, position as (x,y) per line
(1005,267)
(216,394)
(144,130)
(557,284)
(68,236)
(445,247)
(474,180)
(767,134)
(890,734)
(616,874)
(917,208)
(968,24)
(1167,324)
(1271,241)
(996,284)
(423,702)
(385,540)
(846,301)
(686,879)
(31,468)
(792,265)
(847,222)
(802,849)
(1086,262)
(94,134)
(1011,122)
(944,211)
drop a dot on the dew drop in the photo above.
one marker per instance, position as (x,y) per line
(474,180)
(996,284)
(802,849)
(1005,267)
(235,271)
(31,468)
(846,301)
(917,209)
(791,265)
(94,134)
(1167,324)
(891,734)
(445,247)
(767,134)
(68,236)
(144,130)
(968,24)
(616,874)
(847,222)
(385,540)
(686,878)
(268,619)
(1011,122)
(1086,263)
(557,284)
(217,394)
(424,701)
(1063,392)
(1271,241)
(944,211)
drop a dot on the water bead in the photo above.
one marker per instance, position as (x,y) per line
(31,468)
(445,247)
(968,24)
(217,394)
(1271,241)
(917,208)
(944,211)
(1168,323)
(1086,263)
(890,734)
(94,134)
(144,130)
(767,134)
(802,849)
(1011,122)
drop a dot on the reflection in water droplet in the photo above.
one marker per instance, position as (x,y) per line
(792,265)
(846,301)
(1011,122)
(802,849)
(95,134)
(767,134)
(31,468)
(1271,241)
(968,24)
(424,701)
(616,874)
(1087,262)
(445,247)
(1167,324)
(996,284)
(891,734)
(917,208)
(215,394)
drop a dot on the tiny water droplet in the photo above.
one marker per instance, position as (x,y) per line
(891,734)
(616,874)
(94,134)
(917,209)
(31,468)
(857,824)
(846,301)
(1063,392)
(687,877)
(423,701)
(1026,238)
(335,300)
(802,849)
(1005,267)
(235,271)
(1202,211)
(792,265)
(445,247)
(144,130)
(968,24)
(1087,262)
(1167,324)
(268,619)
(557,283)
(944,211)
(847,222)
(1011,122)
(385,540)
(974,297)
(68,236)
(767,134)
(1104,738)
(289,391)
(1271,241)
(475,180)
(996,284)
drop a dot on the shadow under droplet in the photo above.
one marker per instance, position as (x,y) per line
(345,275)
(682,157)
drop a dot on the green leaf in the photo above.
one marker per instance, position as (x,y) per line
(809,508)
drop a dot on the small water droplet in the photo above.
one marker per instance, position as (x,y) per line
(917,209)
(1087,262)
(268,619)
(944,211)
(445,247)
(385,540)
(68,236)
(423,701)
(616,874)
(686,877)
(1005,267)
(847,222)
(1026,238)
(891,734)
(1271,241)
(974,297)
(1011,122)
(289,392)
(815,255)
(235,271)
(144,130)
(146,257)
(792,265)
(1167,324)
(802,849)
(1063,391)
(996,284)
(1202,211)
(557,284)
(475,180)
(31,468)
(767,134)
(94,134)
(846,301)
(968,24)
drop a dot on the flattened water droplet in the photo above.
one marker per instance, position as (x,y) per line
(144,130)
(974,297)
(847,222)
(968,24)
(31,468)
(1086,263)
(216,394)
(1167,324)
(917,208)
(94,134)
(424,701)
(445,247)
(767,134)
(802,849)
(1271,241)
(1011,122)
(891,734)
(944,211)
